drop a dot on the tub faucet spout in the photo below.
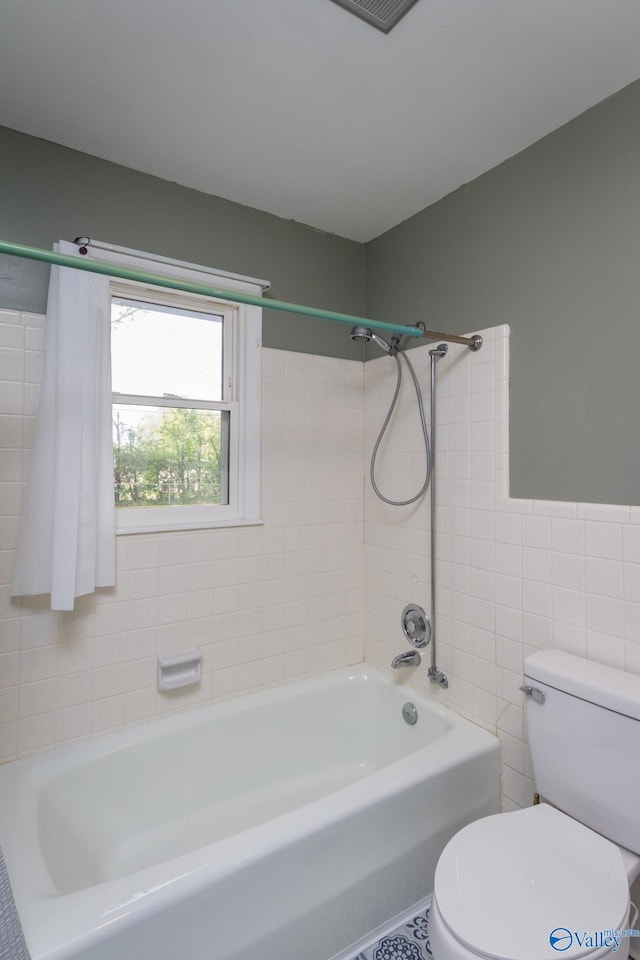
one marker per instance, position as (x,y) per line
(409,659)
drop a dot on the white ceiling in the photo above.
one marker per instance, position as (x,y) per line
(300,109)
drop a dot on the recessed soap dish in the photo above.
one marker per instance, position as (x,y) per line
(179,670)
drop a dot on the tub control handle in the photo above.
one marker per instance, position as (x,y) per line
(533,693)
(415,625)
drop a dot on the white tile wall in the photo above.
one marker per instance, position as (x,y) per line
(297,595)
(512,576)
(264,604)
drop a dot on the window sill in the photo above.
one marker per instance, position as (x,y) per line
(177,527)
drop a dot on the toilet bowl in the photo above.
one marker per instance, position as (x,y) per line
(550,882)
(529,885)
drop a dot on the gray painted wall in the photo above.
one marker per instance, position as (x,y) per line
(50,192)
(548,242)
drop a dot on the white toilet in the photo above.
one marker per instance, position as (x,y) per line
(553,881)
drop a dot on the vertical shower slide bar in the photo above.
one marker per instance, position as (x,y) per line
(435,675)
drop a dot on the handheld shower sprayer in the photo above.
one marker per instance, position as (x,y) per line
(366,335)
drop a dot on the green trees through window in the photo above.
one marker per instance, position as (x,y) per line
(169,455)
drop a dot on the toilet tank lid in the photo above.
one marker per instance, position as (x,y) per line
(595,682)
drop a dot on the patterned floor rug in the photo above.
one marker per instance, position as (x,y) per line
(407,942)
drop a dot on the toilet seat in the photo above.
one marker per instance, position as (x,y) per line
(504,884)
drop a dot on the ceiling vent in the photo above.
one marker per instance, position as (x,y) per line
(382,14)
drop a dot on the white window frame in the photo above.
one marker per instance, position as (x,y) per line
(242,372)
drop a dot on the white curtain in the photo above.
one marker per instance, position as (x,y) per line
(66,546)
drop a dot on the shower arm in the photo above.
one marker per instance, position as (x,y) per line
(139,276)
(474,342)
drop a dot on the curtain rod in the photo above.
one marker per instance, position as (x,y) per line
(126,273)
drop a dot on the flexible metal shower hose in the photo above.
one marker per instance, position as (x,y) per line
(425,434)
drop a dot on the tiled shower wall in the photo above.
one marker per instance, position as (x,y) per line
(264,603)
(286,599)
(513,576)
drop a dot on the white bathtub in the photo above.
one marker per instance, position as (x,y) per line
(281,825)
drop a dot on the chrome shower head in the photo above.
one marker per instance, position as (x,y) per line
(365,335)
(361,334)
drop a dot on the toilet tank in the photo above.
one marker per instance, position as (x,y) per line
(585,742)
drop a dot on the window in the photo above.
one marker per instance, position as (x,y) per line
(186,415)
